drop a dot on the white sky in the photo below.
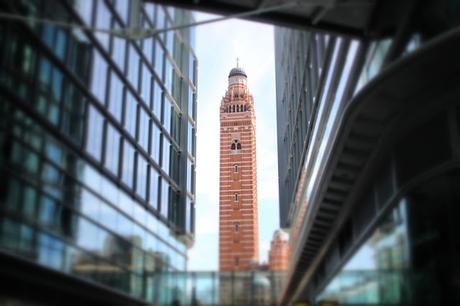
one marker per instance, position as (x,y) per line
(217,47)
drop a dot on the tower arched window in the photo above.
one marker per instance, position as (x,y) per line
(233,108)
(237,226)
(235,168)
(235,146)
(235,197)
(245,108)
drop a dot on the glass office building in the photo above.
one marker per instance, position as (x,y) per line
(97,152)
(368,160)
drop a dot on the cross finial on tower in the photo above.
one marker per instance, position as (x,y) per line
(237,62)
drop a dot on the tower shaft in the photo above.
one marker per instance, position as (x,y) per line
(238,213)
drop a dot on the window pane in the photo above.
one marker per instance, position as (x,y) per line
(48,35)
(161,17)
(166,154)
(146,84)
(45,72)
(98,76)
(87,236)
(48,210)
(155,143)
(159,55)
(118,51)
(51,251)
(164,198)
(108,217)
(133,67)
(61,40)
(189,176)
(85,10)
(169,71)
(130,113)
(157,94)
(102,21)
(153,196)
(143,129)
(115,95)
(170,42)
(122,8)
(94,133)
(128,164)
(147,47)
(190,102)
(141,176)
(167,115)
(112,149)
(191,67)
(188,215)
(189,138)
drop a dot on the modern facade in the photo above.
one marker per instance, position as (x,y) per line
(278,255)
(368,158)
(238,223)
(97,153)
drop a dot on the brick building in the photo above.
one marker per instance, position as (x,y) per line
(279,251)
(238,226)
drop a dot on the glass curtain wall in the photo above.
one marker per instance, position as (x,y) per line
(92,181)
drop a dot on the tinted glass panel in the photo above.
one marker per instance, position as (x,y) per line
(159,54)
(166,154)
(133,67)
(164,198)
(141,185)
(130,113)
(146,84)
(155,143)
(102,21)
(112,149)
(153,196)
(143,129)
(98,76)
(115,96)
(128,164)
(94,133)
(157,94)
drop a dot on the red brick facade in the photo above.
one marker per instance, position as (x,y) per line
(278,255)
(238,225)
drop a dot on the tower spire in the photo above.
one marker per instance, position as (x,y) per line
(237,62)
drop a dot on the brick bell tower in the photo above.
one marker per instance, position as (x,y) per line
(238,224)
